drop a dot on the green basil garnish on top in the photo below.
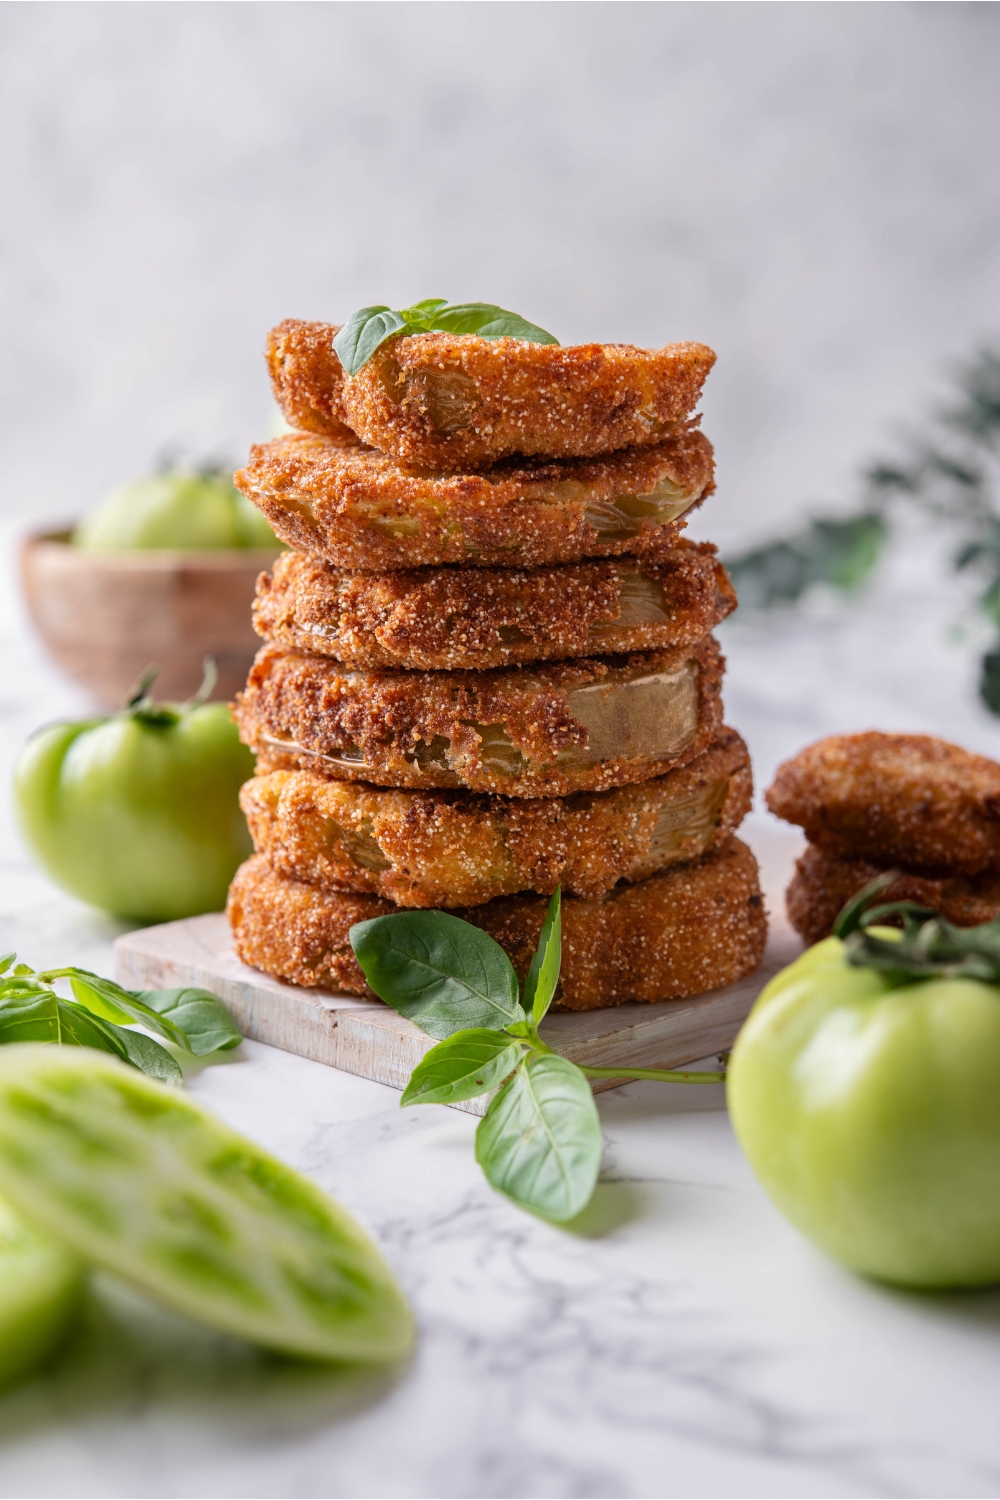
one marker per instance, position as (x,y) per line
(368,328)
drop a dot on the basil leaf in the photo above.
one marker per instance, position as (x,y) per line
(362,334)
(543,975)
(78,1028)
(30,1018)
(489,322)
(91,993)
(104,998)
(6,961)
(438,971)
(466,1065)
(369,327)
(16,986)
(45,1018)
(148,1056)
(199,1016)
(540,1140)
(421,313)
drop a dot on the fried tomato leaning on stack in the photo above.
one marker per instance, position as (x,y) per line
(870,803)
(488,667)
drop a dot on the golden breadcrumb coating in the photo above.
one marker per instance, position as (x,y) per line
(463,848)
(440,619)
(361,509)
(896,798)
(307,378)
(460,401)
(695,928)
(561,727)
(824,882)
(457,401)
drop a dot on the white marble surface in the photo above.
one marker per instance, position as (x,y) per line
(684,1341)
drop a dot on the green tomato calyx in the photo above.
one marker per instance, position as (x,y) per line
(141,705)
(926,946)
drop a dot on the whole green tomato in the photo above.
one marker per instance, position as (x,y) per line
(138,813)
(188,511)
(870,1111)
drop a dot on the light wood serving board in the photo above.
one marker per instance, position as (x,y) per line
(368,1038)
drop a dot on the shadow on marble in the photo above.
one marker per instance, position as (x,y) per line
(614,1204)
(972,1309)
(130,1356)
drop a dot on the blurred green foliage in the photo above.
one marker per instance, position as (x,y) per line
(949,471)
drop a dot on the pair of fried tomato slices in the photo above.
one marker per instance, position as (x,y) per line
(871,803)
(489,667)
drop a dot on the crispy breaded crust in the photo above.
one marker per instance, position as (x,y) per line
(516,731)
(695,928)
(824,882)
(456,401)
(307,378)
(361,509)
(443,619)
(909,799)
(463,848)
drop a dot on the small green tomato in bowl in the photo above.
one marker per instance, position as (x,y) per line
(179,510)
(138,813)
(163,572)
(864,1089)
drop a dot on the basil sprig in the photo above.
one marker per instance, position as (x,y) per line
(369,327)
(102,1015)
(540,1140)
(927,946)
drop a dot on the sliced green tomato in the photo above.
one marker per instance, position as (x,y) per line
(144,1181)
(41,1284)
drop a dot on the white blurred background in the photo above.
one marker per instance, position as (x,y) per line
(811,188)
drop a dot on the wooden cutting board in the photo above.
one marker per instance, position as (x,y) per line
(368,1038)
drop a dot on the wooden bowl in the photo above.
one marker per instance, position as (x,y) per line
(107,616)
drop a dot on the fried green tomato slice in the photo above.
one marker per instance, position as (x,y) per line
(308,378)
(562,727)
(359,508)
(450,849)
(476,618)
(41,1286)
(694,928)
(139,1178)
(456,401)
(824,882)
(908,799)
